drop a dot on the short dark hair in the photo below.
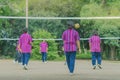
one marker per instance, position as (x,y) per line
(95,32)
(25,30)
(70,23)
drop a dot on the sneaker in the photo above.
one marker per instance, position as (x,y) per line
(25,67)
(94,67)
(14,61)
(99,66)
(45,62)
(71,74)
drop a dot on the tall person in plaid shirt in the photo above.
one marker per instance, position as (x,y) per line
(71,43)
(25,41)
(94,44)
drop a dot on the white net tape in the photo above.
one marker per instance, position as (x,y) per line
(10,17)
(110,38)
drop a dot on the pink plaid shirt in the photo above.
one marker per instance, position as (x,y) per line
(25,42)
(43,46)
(95,43)
(70,36)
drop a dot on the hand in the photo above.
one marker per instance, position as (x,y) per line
(79,50)
(20,50)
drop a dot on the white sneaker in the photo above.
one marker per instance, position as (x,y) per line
(71,74)
(94,67)
(99,66)
(14,61)
(25,67)
(45,62)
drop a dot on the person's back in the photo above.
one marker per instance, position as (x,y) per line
(25,42)
(70,36)
(95,43)
(43,46)
(44,50)
(71,42)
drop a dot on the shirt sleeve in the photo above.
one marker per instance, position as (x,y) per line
(63,36)
(46,45)
(90,40)
(30,39)
(77,37)
(40,44)
(99,40)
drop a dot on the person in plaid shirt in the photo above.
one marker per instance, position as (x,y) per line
(94,44)
(71,42)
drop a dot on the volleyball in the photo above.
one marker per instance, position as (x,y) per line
(77,25)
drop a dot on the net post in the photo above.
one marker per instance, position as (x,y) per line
(26,13)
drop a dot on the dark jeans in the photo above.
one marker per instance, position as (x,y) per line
(25,58)
(44,56)
(18,56)
(96,56)
(70,58)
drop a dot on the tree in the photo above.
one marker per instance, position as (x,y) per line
(106,28)
(10,28)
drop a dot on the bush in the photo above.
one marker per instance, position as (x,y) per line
(83,55)
(52,45)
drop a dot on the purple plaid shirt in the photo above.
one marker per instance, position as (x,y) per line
(25,42)
(70,36)
(43,46)
(95,43)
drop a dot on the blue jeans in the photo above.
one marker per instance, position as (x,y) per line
(25,58)
(44,56)
(70,58)
(96,56)
(18,56)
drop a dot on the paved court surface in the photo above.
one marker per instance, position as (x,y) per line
(58,71)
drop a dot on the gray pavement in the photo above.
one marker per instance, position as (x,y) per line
(58,71)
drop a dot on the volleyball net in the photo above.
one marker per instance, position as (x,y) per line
(11,29)
(40,19)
